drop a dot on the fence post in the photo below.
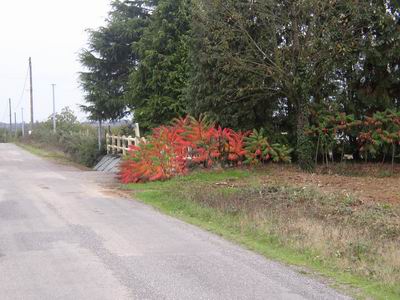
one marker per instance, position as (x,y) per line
(119,144)
(122,144)
(129,141)
(123,140)
(107,144)
(137,130)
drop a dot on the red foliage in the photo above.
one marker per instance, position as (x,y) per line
(231,144)
(162,156)
(168,151)
(202,137)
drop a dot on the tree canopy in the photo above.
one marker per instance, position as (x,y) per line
(110,57)
(246,64)
(157,86)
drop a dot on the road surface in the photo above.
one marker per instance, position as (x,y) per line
(62,236)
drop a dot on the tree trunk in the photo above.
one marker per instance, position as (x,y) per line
(304,144)
(393,155)
(327,156)
(341,159)
(316,152)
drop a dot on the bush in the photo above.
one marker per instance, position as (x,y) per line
(4,135)
(82,149)
(77,141)
(373,137)
(162,156)
(171,150)
(259,150)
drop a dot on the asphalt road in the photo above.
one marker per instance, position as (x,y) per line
(62,236)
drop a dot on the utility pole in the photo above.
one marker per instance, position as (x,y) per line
(9,104)
(15,124)
(31,90)
(22,122)
(54,108)
(99,133)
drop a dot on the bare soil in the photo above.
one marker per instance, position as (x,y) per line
(368,182)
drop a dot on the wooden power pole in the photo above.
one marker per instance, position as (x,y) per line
(22,122)
(31,90)
(54,109)
(9,104)
(15,124)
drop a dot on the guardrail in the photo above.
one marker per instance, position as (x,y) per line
(120,144)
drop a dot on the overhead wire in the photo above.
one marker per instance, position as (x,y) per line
(4,115)
(23,90)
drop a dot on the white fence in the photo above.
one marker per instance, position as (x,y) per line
(120,144)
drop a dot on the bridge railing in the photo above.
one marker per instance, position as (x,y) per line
(120,144)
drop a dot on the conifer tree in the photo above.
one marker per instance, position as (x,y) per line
(157,86)
(109,59)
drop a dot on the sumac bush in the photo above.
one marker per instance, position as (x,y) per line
(372,137)
(172,150)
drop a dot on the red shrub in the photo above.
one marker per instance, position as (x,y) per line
(231,145)
(202,138)
(171,149)
(162,156)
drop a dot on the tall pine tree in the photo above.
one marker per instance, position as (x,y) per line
(109,59)
(157,86)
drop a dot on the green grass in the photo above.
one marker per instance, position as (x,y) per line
(168,198)
(42,152)
(56,156)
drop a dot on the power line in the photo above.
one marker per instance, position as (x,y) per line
(54,108)
(4,114)
(20,99)
(9,104)
(23,89)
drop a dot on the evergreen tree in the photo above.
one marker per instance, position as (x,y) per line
(109,59)
(157,86)
(233,93)
(248,64)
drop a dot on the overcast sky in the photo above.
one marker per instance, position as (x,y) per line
(52,32)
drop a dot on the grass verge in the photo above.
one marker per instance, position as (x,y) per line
(56,156)
(354,244)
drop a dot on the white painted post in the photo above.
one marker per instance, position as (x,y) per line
(107,143)
(112,144)
(123,140)
(137,130)
(129,142)
(119,144)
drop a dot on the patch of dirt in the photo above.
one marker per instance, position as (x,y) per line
(365,188)
(113,192)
